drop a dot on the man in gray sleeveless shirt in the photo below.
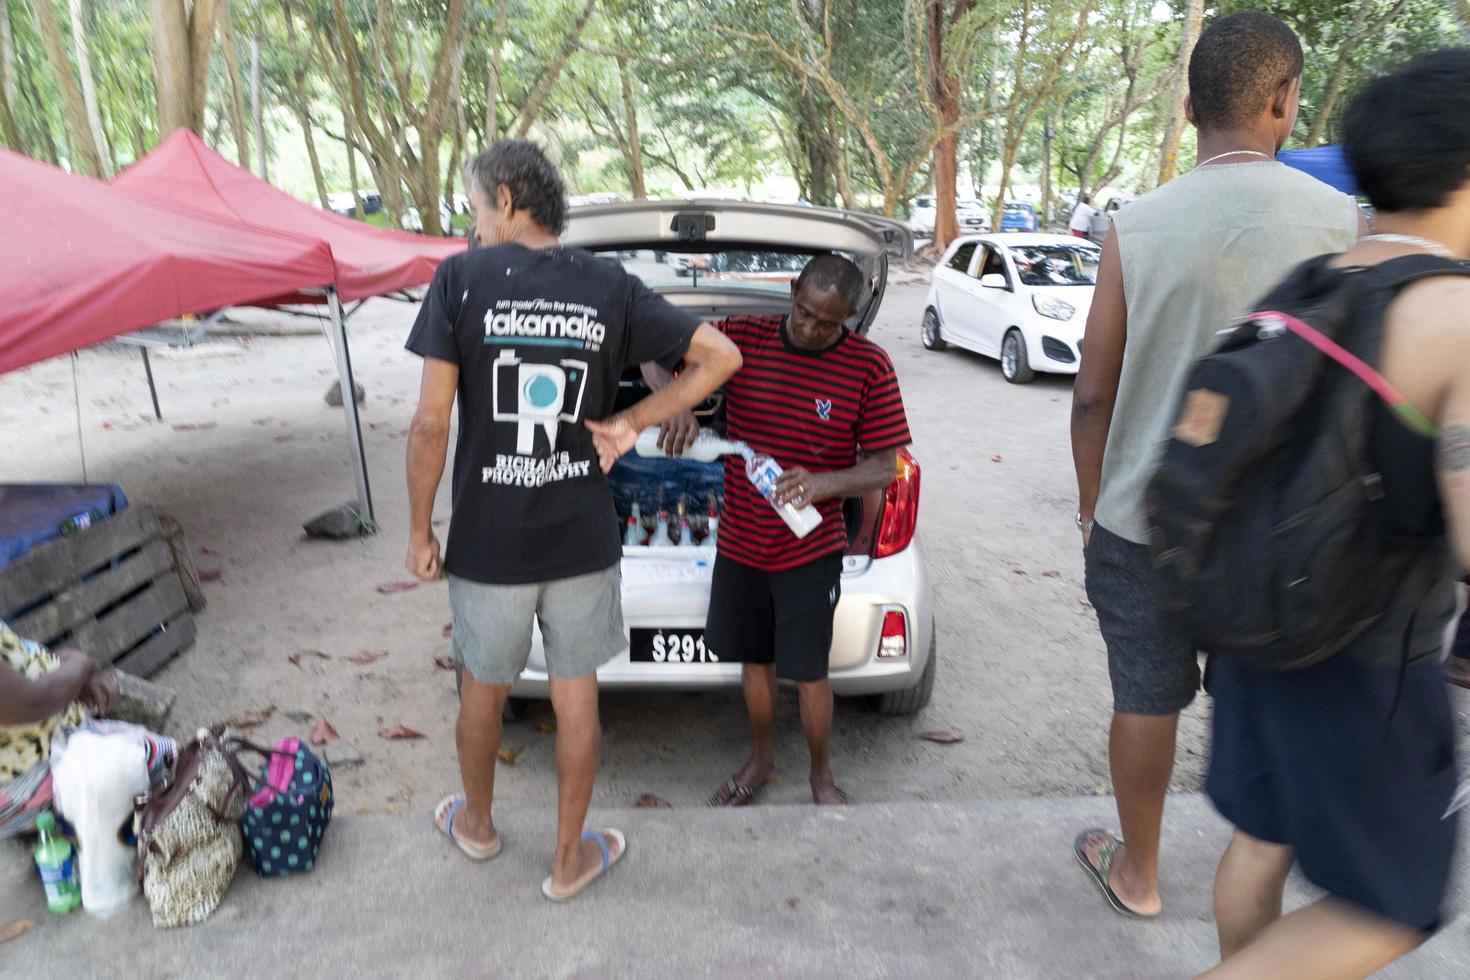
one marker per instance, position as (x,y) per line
(1179,264)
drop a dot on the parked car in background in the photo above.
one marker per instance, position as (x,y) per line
(970,214)
(1018,216)
(883,644)
(1020,298)
(342,202)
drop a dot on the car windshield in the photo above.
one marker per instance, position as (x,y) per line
(1057,265)
(767,271)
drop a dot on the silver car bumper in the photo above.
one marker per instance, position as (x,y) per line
(870,590)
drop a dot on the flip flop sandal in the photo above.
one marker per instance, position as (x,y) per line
(608,860)
(1103,870)
(444,815)
(733,793)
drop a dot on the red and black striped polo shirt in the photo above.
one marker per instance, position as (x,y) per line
(805,408)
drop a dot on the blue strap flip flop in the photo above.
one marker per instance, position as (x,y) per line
(600,838)
(444,815)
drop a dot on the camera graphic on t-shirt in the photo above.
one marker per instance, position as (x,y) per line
(534,395)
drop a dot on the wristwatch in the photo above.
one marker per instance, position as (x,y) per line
(1085,526)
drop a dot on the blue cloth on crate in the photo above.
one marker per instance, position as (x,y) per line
(31,513)
(651,481)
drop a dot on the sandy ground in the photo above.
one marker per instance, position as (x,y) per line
(247,451)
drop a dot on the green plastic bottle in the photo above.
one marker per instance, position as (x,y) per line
(57,864)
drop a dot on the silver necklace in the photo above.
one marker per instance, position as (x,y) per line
(1232,153)
(1414,241)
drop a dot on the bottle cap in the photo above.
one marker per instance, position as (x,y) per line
(45,822)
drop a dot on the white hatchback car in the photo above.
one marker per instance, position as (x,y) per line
(884,639)
(971,216)
(1021,298)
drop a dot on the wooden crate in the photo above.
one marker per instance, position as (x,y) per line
(124,591)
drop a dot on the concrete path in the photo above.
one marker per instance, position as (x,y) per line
(941,890)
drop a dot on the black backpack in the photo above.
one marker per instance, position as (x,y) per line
(1267,517)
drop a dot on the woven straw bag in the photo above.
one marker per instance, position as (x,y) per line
(189,842)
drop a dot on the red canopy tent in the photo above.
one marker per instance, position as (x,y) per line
(82,262)
(370,261)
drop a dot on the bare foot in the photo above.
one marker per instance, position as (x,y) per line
(1141,899)
(825,791)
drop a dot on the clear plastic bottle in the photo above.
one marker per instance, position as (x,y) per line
(58,866)
(633,536)
(660,538)
(707,447)
(712,531)
(763,471)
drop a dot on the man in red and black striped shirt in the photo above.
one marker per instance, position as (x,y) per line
(824,402)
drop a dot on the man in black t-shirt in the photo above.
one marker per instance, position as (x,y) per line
(532,338)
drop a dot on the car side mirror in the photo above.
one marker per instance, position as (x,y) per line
(994,280)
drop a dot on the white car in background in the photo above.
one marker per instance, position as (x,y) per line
(972,216)
(1021,298)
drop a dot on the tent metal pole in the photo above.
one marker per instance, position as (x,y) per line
(152,388)
(349,403)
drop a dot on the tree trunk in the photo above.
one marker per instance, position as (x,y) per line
(348,135)
(1174,131)
(84,148)
(257,108)
(456,157)
(301,103)
(40,134)
(229,41)
(1046,141)
(9,127)
(89,87)
(630,125)
(844,178)
(547,82)
(492,78)
(945,92)
(1357,34)
(183,46)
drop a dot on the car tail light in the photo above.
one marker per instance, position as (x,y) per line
(900,511)
(893,645)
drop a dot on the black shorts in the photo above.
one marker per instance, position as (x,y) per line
(1153,666)
(1350,772)
(785,618)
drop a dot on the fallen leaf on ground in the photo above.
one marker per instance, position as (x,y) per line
(943,737)
(252,719)
(444,663)
(264,421)
(1019,571)
(996,458)
(322,733)
(209,574)
(13,930)
(388,588)
(648,801)
(1051,574)
(283,438)
(399,731)
(792,903)
(509,756)
(295,658)
(367,656)
(208,551)
(448,630)
(543,728)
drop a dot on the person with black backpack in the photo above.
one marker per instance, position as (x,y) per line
(1308,522)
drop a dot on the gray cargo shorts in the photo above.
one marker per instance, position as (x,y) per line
(1152,664)
(581,625)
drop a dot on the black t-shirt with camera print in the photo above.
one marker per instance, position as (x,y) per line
(541,338)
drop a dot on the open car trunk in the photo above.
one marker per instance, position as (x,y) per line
(718,259)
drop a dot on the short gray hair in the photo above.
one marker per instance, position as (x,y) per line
(830,271)
(532,179)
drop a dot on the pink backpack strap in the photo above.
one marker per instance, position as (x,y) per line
(1381,386)
(279,772)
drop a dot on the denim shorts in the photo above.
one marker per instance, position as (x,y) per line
(581,621)
(1153,666)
